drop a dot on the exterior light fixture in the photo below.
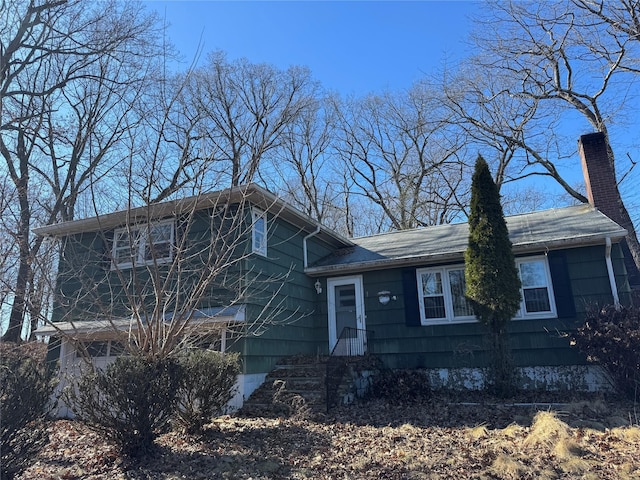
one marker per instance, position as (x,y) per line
(384,297)
(318,286)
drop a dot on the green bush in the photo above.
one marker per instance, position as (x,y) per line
(400,386)
(130,402)
(611,338)
(26,388)
(207,384)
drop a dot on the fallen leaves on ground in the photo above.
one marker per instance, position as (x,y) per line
(439,439)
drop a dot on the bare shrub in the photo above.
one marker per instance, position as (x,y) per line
(26,386)
(400,385)
(130,402)
(611,338)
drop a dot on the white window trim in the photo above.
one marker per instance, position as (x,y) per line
(448,303)
(140,248)
(448,298)
(522,313)
(256,246)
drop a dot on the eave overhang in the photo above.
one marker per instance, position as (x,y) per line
(520,247)
(252,193)
(108,328)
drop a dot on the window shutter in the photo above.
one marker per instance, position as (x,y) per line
(410,291)
(565,304)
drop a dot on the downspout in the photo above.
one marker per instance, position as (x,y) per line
(304,245)
(612,278)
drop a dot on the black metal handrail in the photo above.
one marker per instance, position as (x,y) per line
(351,342)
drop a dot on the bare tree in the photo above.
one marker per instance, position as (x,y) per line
(399,156)
(566,61)
(244,109)
(514,133)
(8,253)
(621,20)
(305,166)
(167,150)
(155,277)
(69,72)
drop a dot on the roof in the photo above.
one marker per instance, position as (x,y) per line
(104,327)
(537,231)
(252,193)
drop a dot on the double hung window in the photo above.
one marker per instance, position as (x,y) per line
(536,291)
(441,293)
(143,244)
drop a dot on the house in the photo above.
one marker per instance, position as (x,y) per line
(292,286)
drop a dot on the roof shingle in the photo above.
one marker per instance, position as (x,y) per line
(537,231)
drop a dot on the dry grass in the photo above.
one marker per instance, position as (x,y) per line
(436,440)
(477,433)
(508,467)
(546,430)
(627,434)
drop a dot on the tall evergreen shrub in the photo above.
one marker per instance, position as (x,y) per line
(492,282)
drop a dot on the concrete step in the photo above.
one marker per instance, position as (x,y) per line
(294,384)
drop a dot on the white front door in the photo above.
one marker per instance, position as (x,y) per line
(347,328)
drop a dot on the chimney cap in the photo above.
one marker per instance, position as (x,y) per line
(594,137)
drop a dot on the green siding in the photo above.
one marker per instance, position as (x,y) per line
(282,298)
(590,280)
(281,314)
(87,287)
(534,342)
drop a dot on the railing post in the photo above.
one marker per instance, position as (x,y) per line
(351,341)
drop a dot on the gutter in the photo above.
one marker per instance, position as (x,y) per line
(304,245)
(380,264)
(612,278)
(252,193)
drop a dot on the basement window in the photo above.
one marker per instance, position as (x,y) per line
(215,341)
(100,349)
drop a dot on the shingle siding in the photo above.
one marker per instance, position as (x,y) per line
(534,342)
(293,324)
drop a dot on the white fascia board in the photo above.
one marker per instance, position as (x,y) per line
(106,328)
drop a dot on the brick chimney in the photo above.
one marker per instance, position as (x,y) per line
(602,189)
(598,175)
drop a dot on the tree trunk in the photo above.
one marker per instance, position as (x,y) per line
(502,376)
(18,308)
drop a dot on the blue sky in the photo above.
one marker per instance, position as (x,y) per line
(353,47)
